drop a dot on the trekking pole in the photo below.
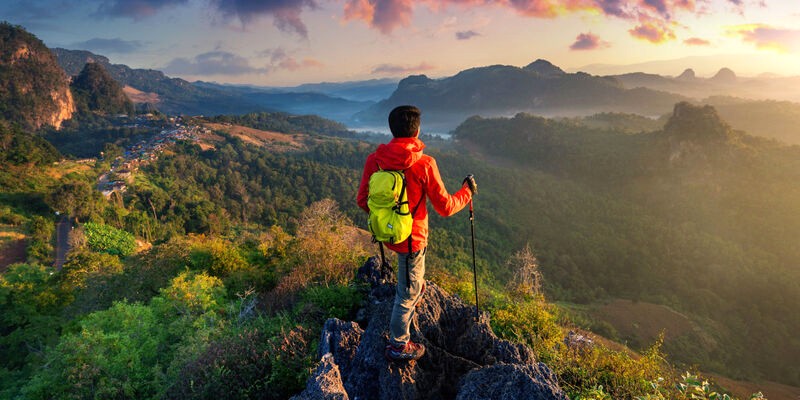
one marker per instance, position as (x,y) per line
(474,267)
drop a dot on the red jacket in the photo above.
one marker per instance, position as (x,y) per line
(422,182)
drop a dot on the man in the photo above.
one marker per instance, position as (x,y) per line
(404,153)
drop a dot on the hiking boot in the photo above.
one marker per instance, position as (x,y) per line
(411,351)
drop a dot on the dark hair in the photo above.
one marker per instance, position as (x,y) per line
(404,121)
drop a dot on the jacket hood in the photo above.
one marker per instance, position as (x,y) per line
(399,153)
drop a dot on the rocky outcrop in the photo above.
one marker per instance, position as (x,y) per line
(464,358)
(34,90)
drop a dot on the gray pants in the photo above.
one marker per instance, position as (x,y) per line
(406,296)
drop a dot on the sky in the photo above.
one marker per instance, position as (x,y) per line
(289,42)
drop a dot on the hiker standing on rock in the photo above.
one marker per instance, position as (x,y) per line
(414,177)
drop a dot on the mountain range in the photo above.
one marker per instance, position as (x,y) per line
(499,90)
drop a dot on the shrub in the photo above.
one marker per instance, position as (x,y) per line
(327,250)
(531,322)
(192,294)
(40,247)
(107,239)
(338,301)
(216,256)
(115,355)
(620,375)
(85,266)
(249,365)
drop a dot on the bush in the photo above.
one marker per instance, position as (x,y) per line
(531,322)
(115,355)
(339,301)
(619,374)
(40,247)
(250,365)
(107,239)
(216,256)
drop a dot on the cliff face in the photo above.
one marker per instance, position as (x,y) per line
(34,91)
(464,358)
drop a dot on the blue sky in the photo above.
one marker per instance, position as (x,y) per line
(287,42)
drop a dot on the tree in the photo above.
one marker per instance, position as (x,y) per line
(527,278)
(76,198)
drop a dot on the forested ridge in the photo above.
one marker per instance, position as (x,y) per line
(696,216)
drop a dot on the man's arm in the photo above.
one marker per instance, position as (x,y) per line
(445,204)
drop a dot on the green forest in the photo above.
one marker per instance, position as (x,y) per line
(214,272)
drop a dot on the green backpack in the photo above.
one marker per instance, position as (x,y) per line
(390,219)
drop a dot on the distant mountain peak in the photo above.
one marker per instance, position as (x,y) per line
(687,75)
(724,75)
(544,68)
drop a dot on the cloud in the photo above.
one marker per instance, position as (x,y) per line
(215,62)
(395,69)
(768,37)
(653,32)
(466,35)
(653,19)
(136,9)
(695,41)
(588,41)
(384,15)
(280,58)
(115,45)
(285,13)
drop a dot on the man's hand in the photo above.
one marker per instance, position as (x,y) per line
(469,182)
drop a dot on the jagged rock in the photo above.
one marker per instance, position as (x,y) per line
(325,383)
(340,339)
(456,342)
(380,278)
(511,381)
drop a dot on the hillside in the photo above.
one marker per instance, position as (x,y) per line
(151,88)
(270,259)
(94,90)
(34,91)
(766,118)
(677,208)
(500,90)
(171,95)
